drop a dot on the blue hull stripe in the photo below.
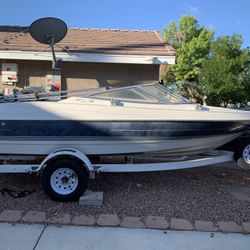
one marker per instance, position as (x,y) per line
(156,129)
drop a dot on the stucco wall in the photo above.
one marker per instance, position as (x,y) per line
(84,75)
(30,73)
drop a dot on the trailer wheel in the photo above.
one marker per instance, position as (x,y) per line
(64,180)
(242,154)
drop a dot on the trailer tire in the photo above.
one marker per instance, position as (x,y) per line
(65,179)
(242,154)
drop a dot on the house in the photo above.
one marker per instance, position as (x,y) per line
(89,58)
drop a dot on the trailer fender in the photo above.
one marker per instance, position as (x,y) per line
(68,152)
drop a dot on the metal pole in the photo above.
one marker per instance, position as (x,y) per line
(51,42)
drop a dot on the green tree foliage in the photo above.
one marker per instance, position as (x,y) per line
(192,44)
(225,75)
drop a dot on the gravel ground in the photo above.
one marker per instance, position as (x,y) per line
(194,194)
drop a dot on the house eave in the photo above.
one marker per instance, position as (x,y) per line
(87,57)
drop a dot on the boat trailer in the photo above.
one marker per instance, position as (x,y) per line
(65,172)
(209,158)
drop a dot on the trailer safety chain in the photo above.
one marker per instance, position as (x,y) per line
(16,194)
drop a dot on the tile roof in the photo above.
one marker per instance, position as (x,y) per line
(111,41)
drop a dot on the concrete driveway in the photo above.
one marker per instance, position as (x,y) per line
(39,237)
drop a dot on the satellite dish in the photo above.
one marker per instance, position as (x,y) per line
(49,30)
(43,29)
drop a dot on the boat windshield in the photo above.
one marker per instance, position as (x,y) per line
(165,94)
(153,93)
(127,94)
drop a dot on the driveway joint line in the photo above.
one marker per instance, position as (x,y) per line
(39,237)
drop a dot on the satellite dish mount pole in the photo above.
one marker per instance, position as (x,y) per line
(51,41)
(50,30)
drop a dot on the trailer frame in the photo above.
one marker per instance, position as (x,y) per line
(209,158)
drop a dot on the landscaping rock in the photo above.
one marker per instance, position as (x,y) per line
(206,226)
(109,220)
(157,222)
(229,227)
(181,224)
(34,217)
(63,219)
(10,216)
(90,198)
(83,220)
(132,222)
(246,227)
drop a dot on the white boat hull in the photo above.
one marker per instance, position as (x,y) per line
(109,147)
(100,127)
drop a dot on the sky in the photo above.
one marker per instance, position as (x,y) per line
(224,16)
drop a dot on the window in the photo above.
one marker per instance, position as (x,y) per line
(166,94)
(132,94)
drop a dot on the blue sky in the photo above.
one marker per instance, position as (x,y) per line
(225,16)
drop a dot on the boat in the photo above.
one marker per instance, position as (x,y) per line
(116,121)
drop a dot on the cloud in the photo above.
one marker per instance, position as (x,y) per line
(193,10)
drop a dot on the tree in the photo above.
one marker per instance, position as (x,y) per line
(192,44)
(225,75)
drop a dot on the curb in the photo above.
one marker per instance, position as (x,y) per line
(112,220)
